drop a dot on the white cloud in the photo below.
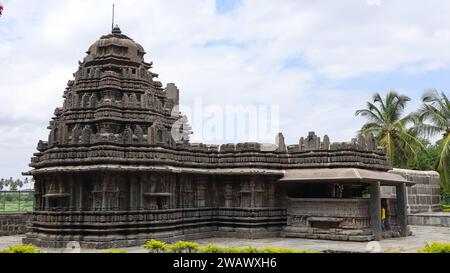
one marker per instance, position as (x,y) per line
(41,42)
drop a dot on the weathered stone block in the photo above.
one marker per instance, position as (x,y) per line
(360,238)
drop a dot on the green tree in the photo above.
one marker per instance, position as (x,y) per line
(14,185)
(10,183)
(387,123)
(2,184)
(434,120)
(425,161)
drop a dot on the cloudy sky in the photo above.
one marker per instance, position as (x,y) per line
(318,61)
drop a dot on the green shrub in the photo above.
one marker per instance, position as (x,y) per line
(156,247)
(212,249)
(184,247)
(446,208)
(275,250)
(436,248)
(22,249)
(189,247)
(115,251)
(278,250)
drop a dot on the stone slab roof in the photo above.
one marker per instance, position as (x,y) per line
(343,175)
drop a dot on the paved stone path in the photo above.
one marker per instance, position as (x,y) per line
(413,243)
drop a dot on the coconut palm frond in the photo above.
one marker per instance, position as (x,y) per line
(443,165)
(385,121)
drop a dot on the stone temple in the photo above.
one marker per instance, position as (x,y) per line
(118,170)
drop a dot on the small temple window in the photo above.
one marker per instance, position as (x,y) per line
(133,71)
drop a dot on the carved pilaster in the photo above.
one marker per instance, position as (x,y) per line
(271,192)
(81,197)
(228,193)
(246,193)
(141,191)
(201,191)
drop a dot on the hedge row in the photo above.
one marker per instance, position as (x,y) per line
(154,246)
(189,247)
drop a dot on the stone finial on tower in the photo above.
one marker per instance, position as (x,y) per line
(116,30)
(362,143)
(312,142)
(371,143)
(301,144)
(172,95)
(326,143)
(280,143)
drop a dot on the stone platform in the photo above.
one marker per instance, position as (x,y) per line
(437,219)
(411,244)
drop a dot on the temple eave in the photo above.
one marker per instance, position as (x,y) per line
(344,175)
(164,169)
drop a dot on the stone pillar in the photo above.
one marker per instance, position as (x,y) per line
(133,193)
(173,191)
(141,191)
(271,193)
(73,202)
(252,191)
(402,211)
(375,210)
(103,189)
(46,184)
(81,193)
(151,136)
(38,194)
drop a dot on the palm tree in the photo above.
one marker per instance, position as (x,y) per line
(385,121)
(434,117)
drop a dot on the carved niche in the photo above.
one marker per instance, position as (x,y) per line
(157,134)
(106,195)
(157,193)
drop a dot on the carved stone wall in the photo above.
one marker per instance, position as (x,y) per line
(331,219)
(13,223)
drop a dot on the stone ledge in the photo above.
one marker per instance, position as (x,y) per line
(441,219)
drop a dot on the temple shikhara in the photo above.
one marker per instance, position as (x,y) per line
(118,169)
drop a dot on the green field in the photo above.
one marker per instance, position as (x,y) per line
(16,207)
(16,202)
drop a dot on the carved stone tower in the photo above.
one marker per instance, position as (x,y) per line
(115,99)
